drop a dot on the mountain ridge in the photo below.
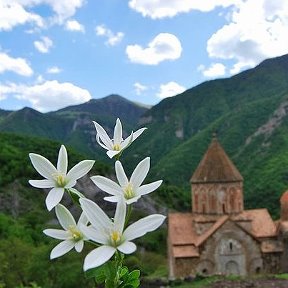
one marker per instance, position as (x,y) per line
(248,111)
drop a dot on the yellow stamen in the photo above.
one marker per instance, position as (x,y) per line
(116,147)
(129,192)
(60,180)
(115,237)
(75,233)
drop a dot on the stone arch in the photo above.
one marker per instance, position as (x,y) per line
(239,200)
(212,201)
(221,199)
(230,256)
(232,267)
(196,200)
(232,199)
(203,202)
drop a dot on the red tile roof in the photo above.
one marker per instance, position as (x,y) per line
(185,240)
(262,224)
(216,166)
(185,251)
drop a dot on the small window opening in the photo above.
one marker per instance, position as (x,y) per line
(204,271)
(258,270)
(231,246)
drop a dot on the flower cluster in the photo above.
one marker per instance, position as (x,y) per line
(111,236)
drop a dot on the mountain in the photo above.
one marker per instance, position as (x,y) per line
(73,125)
(249,113)
(106,110)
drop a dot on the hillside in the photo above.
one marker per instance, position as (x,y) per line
(73,125)
(249,113)
(23,216)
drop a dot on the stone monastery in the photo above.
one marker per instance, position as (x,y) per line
(219,236)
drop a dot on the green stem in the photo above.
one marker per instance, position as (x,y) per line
(95,244)
(128,214)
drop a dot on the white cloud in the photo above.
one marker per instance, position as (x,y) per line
(18,12)
(73,25)
(13,14)
(163,47)
(257,30)
(170,89)
(112,38)
(44,45)
(215,70)
(47,96)
(53,70)
(139,88)
(16,65)
(170,8)
(63,8)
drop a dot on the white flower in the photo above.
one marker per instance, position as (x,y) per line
(117,144)
(110,233)
(72,235)
(131,189)
(57,178)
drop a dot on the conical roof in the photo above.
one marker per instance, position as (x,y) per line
(284,197)
(216,167)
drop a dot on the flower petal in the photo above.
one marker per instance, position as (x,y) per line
(120,214)
(93,234)
(61,249)
(100,143)
(137,133)
(148,188)
(140,172)
(107,185)
(79,246)
(112,153)
(127,141)
(62,162)
(43,166)
(80,169)
(83,219)
(98,256)
(95,214)
(71,183)
(133,200)
(54,197)
(142,226)
(103,135)
(118,132)
(64,216)
(113,199)
(127,247)
(42,183)
(57,233)
(120,174)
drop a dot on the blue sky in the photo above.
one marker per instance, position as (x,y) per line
(56,53)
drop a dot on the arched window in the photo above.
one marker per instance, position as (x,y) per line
(223,208)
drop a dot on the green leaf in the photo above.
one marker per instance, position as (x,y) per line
(124,272)
(75,195)
(135,274)
(97,273)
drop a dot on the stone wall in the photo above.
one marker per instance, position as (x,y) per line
(219,198)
